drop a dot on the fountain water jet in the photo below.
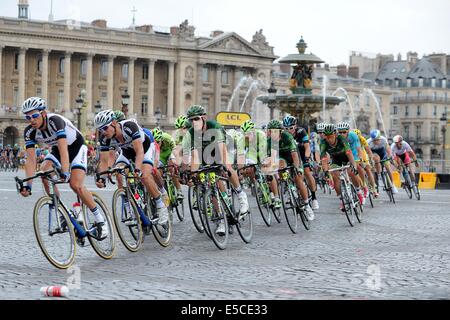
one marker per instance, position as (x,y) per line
(348,100)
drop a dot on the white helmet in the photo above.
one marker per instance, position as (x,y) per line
(343,126)
(398,139)
(33,103)
(103,118)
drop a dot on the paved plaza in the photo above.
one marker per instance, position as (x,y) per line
(400,251)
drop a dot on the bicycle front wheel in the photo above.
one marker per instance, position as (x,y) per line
(54,233)
(244,224)
(263,201)
(161,232)
(357,208)
(289,206)
(214,218)
(347,204)
(194,209)
(105,248)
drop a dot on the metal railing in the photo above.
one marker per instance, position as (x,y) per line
(422,99)
(434,166)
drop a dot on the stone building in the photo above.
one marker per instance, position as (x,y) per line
(163,71)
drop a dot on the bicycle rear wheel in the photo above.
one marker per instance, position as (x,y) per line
(407,185)
(263,201)
(194,209)
(347,204)
(202,209)
(161,232)
(127,221)
(289,206)
(244,224)
(416,192)
(54,233)
(215,215)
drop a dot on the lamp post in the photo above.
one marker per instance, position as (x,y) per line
(444,131)
(125,102)
(97,107)
(1,136)
(158,116)
(272,98)
(78,108)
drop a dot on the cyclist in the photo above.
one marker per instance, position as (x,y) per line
(367,159)
(381,153)
(208,145)
(403,152)
(302,139)
(252,149)
(343,129)
(68,154)
(182,125)
(283,151)
(338,148)
(134,145)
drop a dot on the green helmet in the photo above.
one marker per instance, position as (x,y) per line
(274,124)
(157,134)
(247,126)
(120,116)
(180,122)
(329,129)
(196,110)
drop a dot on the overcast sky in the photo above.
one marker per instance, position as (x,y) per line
(332,28)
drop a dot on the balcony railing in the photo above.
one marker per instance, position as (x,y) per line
(422,99)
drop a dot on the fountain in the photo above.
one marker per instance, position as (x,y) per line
(301,103)
(236,91)
(349,102)
(370,92)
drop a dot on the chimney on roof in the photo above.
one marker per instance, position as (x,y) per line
(216,33)
(353,72)
(99,23)
(412,58)
(148,28)
(174,31)
(342,70)
(23,9)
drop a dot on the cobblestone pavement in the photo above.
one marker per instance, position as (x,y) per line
(400,251)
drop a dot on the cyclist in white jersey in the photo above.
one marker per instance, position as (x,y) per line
(68,154)
(402,151)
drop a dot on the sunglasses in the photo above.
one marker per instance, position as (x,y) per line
(195,119)
(33,116)
(104,128)
(343,132)
(290,128)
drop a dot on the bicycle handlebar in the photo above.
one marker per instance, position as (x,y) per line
(209,168)
(340,168)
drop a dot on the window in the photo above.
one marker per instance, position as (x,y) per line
(434,134)
(205,74)
(434,96)
(83,67)
(395,110)
(125,71)
(61,64)
(39,64)
(406,132)
(420,82)
(16,61)
(16,96)
(224,104)
(418,132)
(59,103)
(406,111)
(435,111)
(144,72)
(104,69)
(144,105)
(225,77)
(419,110)
(205,102)
(39,92)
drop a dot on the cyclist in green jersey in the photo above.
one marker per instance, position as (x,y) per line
(283,151)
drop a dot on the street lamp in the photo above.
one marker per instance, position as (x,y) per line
(272,98)
(444,131)
(125,102)
(98,107)
(158,116)
(80,102)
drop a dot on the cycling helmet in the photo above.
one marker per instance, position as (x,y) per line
(329,129)
(274,124)
(34,103)
(180,122)
(320,127)
(357,131)
(120,116)
(247,126)
(375,134)
(398,139)
(195,110)
(289,121)
(157,134)
(343,126)
(103,118)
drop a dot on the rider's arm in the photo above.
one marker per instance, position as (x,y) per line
(139,150)
(349,154)
(324,156)
(296,159)
(30,164)
(195,161)
(64,152)
(104,161)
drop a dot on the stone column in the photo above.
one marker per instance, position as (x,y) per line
(89,80)
(237,78)
(44,82)
(218,90)
(22,66)
(1,64)
(110,82)
(199,84)
(151,90)
(67,82)
(170,90)
(131,62)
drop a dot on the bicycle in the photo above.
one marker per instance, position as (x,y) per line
(349,196)
(387,183)
(293,205)
(261,190)
(134,212)
(67,225)
(175,203)
(216,208)
(408,184)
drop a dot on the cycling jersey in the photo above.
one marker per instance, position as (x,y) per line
(379,147)
(301,138)
(286,145)
(166,145)
(402,152)
(364,145)
(206,141)
(256,150)
(354,143)
(59,127)
(131,131)
(338,152)
(149,134)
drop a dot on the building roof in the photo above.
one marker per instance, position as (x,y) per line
(369,76)
(393,70)
(425,69)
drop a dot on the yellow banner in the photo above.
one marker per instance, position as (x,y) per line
(232,118)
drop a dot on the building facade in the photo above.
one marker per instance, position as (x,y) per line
(162,72)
